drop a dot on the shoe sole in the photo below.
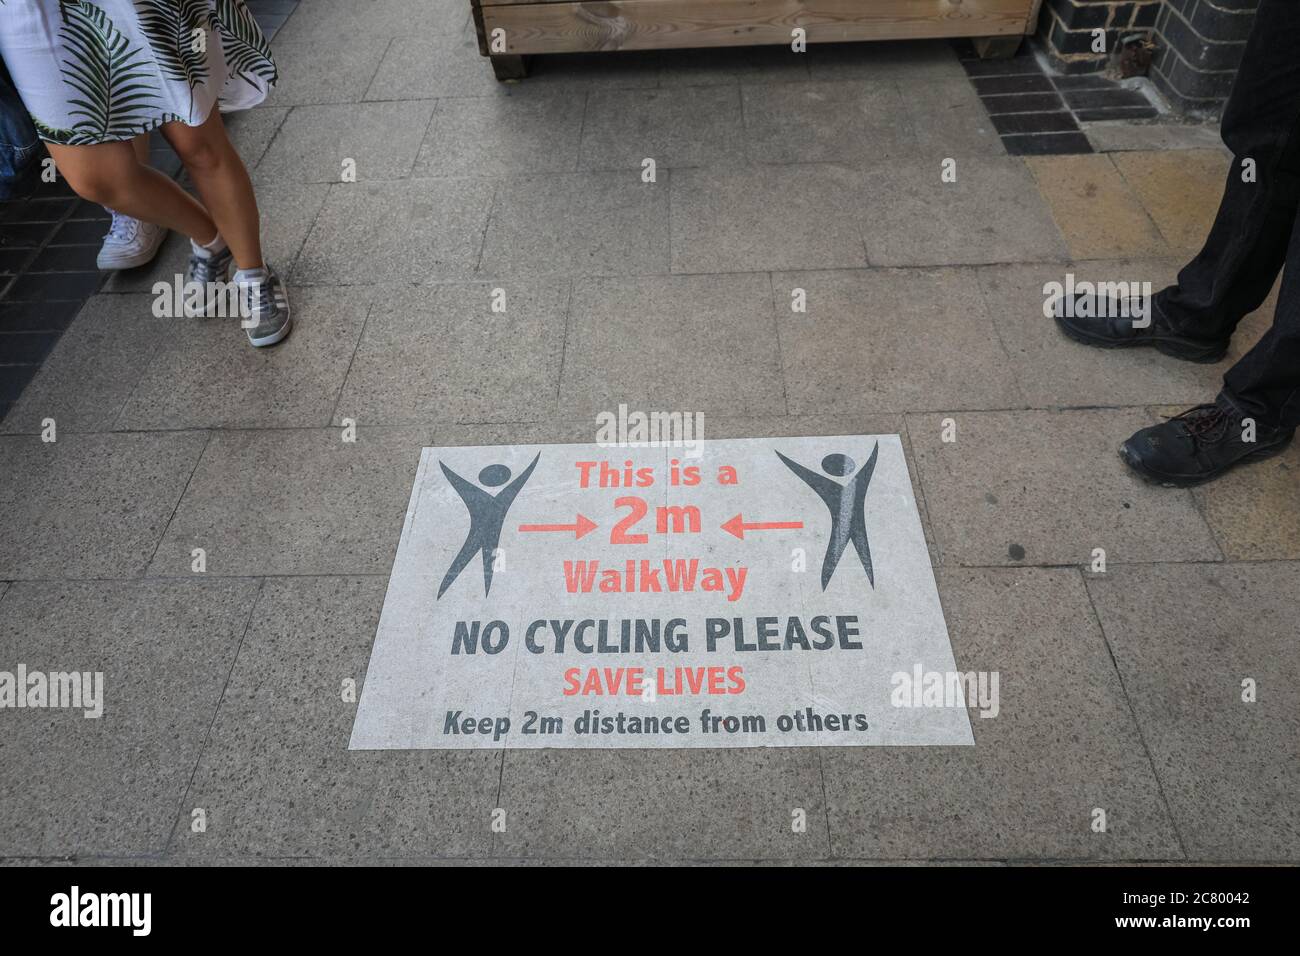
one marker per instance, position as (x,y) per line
(1183,349)
(276,337)
(116,263)
(1182,481)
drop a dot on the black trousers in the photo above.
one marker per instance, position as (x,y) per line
(1255,233)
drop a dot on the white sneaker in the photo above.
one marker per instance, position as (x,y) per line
(130,243)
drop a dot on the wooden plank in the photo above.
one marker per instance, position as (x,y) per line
(560,26)
(1031,20)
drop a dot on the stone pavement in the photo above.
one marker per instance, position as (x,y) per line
(1120,690)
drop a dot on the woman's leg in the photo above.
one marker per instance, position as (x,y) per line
(111,175)
(221,179)
(141,146)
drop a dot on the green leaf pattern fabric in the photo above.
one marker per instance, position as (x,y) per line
(95,71)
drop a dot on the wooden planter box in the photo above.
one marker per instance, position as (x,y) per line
(572,26)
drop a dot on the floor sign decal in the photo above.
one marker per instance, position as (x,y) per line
(772,592)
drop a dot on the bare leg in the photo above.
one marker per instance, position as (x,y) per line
(111,175)
(221,179)
(141,146)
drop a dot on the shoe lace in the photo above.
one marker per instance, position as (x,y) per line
(259,299)
(203,268)
(123,228)
(1206,422)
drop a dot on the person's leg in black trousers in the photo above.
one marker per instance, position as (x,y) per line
(1254,234)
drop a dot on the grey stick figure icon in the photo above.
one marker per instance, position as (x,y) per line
(487,515)
(846,504)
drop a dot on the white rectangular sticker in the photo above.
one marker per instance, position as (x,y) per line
(764,592)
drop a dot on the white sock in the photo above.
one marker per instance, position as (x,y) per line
(210,249)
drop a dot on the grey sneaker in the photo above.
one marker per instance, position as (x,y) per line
(212,273)
(266,303)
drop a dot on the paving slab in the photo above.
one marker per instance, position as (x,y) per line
(252,131)
(90,372)
(205,374)
(685,343)
(889,339)
(416,69)
(164,650)
(992,213)
(528,131)
(294,502)
(414,231)
(288,211)
(949,119)
(1185,638)
(1096,211)
(276,778)
(1055,371)
(760,218)
(597,223)
(89,506)
(338,22)
(352,61)
(1063,744)
(1046,488)
(679,127)
(379,141)
(1181,191)
(670,805)
(1117,137)
(822,122)
(440,354)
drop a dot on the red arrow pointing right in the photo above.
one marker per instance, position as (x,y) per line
(582,526)
(738,526)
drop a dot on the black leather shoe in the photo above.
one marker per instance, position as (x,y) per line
(1200,444)
(1115,331)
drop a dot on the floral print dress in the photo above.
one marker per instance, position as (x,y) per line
(98,71)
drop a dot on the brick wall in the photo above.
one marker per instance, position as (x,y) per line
(1066,29)
(1198,43)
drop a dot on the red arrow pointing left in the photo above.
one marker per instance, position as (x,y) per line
(580,527)
(738,526)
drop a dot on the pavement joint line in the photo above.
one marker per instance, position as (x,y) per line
(345,575)
(1137,724)
(487,222)
(780,352)
(338,397)
(198,459)
(267,148)
(564,341)
(914,472)
(397,424)
(216,710)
